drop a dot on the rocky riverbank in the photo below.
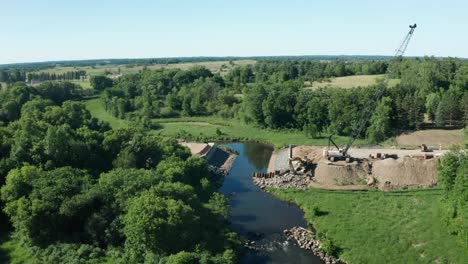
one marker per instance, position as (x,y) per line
(282,181)
(305,239)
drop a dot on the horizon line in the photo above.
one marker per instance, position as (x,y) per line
(216,57)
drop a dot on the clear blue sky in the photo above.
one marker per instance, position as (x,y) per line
(69,29)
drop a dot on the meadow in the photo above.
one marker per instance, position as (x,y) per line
(351,82)
(380,227)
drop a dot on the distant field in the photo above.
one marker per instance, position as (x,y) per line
(84,84)
(221,67)
(351,82)
(431,137)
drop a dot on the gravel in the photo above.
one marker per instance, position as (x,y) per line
(286,180)
(305,239)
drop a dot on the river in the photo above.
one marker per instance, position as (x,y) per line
(259,216)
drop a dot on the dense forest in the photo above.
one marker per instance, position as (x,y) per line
(76,191)
(270,94)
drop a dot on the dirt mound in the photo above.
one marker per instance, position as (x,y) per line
(404,173)
(431,137)
(312,153)
(340,173)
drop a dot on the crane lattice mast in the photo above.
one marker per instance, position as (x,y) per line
(368,110)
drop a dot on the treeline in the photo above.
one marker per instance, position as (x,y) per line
(330,110)
(169,92)
(76,191)
(47,76)
(438,88)
(34,66)
(306,70)
(12,75)
(453,177)
(270,94)
(13,98)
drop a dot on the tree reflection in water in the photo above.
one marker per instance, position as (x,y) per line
(258,154)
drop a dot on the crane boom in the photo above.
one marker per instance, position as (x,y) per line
(367,112)
(372,103)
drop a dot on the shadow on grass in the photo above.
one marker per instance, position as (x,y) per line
(321,213)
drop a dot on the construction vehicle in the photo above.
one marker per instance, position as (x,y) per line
(304,163)
(342,153)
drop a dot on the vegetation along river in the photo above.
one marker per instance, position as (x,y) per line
(259,216)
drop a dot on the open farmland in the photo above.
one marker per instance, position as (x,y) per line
(221,67)
(351,81)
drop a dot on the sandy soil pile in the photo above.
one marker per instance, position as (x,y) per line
(313,153)
(404,172)
(340,174)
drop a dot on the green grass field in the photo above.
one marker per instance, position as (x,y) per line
(207,126)
(84,84)
(97,110)
(351,82)
(379,227)
(235,129)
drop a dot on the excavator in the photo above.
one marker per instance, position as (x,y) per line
(342,153)
(304,163)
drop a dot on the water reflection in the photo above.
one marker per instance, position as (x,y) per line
(259,216)
(258,154)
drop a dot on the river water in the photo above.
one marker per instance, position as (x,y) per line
(259,216)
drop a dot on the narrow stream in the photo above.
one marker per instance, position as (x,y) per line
(258,215)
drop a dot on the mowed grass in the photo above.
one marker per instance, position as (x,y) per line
(379,227)
(206,127)
(97,110)
(221,67)
(351,82)
(238,130)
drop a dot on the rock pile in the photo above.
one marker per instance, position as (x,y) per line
(305,239)
(217,170)
(286,180)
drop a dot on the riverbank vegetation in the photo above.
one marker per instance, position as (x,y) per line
(379,227)
(76,191)
(271,95)
(213,128)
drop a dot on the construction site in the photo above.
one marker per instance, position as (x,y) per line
(385,169)
(346,168)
